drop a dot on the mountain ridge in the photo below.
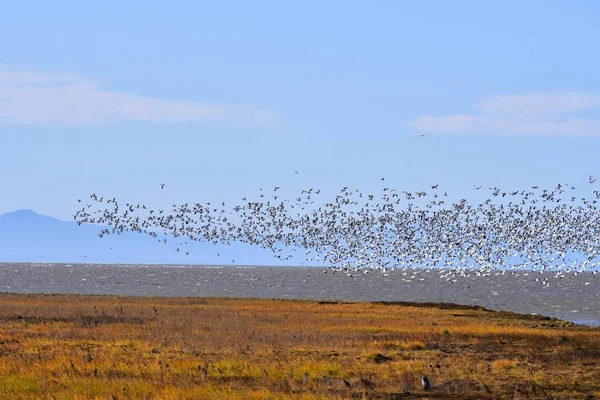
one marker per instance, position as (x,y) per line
(27,236)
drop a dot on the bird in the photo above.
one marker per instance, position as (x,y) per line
(425,384)
(162,185)
(358,231)
(423,134)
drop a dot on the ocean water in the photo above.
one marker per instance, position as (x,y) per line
(574,298)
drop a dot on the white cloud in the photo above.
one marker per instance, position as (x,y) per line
(29,97)
(551,114)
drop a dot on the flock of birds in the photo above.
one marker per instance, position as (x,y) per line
(550,232)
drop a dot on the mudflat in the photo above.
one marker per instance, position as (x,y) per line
(97,346)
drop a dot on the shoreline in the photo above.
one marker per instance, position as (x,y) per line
(568,299)
(424,304)
(431,305)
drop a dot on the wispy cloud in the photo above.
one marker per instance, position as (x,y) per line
(30,97)
(552,114)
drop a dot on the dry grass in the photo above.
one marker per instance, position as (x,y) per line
(81,347)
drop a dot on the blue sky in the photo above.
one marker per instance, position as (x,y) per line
(217,100)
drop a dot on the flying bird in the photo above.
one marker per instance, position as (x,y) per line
(392,229)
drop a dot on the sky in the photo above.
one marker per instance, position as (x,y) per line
(219,99)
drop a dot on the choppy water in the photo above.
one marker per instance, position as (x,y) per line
(569,298)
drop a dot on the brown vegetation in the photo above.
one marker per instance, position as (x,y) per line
(79,347)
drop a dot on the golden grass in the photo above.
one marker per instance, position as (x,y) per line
(82,347)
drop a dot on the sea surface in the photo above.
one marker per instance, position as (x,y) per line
(574,298)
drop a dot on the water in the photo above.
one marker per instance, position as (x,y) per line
(570,298)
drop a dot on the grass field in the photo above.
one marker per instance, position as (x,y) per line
(105,347)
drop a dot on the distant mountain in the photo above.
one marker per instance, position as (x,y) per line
(26,236)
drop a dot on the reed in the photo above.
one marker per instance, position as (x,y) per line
(82,347)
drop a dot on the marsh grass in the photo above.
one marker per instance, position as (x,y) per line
(81,347)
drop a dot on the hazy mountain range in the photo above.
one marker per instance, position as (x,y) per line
(26,236)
